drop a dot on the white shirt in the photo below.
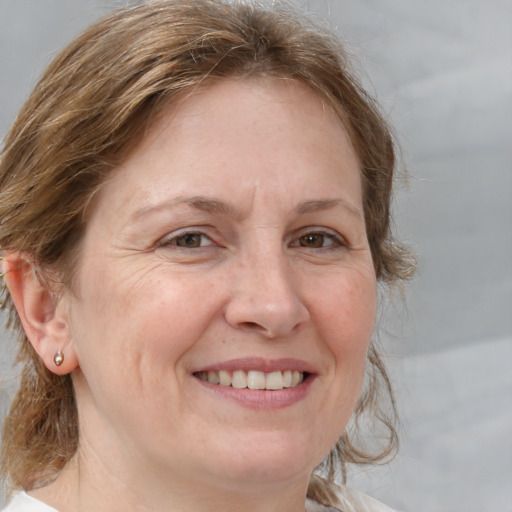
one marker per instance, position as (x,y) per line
(22,502)
(352,501)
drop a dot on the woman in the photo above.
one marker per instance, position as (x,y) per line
(194,219)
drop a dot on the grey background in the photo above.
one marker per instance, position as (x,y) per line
(443,72)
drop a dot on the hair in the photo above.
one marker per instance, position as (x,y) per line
(96,98)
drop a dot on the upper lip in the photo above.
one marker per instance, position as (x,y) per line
(259,364)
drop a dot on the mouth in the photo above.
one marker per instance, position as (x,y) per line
(253,379)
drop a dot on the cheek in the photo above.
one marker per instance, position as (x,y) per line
(138,320)
(345,317)
(131,334)
(346,314)
(347,308)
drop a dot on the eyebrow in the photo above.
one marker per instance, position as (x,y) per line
(202,203)
(220,207)
(326,204)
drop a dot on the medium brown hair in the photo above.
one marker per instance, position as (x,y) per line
(97,97)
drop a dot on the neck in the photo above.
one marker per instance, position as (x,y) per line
(85,485)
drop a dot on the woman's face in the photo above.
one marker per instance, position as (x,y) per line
(229,247)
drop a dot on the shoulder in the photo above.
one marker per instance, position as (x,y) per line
(361,502)
(350,500)
(22,502)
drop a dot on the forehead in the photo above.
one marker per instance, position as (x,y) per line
(233,132)
(224,112)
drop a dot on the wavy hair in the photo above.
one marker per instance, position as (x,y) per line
(94,99)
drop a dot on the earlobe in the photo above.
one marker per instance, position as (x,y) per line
(43,315)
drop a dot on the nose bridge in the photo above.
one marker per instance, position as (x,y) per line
(270,276)
(266,293)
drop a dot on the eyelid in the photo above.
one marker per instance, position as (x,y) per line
(337,238)
(192,230)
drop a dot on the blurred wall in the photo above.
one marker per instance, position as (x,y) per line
(443,72)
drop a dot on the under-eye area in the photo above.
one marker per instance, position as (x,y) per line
(254,379)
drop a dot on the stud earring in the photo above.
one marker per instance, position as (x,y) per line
(58,358)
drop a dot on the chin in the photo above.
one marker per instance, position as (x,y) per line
(269,459)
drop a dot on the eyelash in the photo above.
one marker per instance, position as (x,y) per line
(175,237)
(334,240)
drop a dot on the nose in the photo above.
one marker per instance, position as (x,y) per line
(265,298)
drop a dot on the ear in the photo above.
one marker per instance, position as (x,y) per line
(43,314)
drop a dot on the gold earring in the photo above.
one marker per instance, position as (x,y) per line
(58,358)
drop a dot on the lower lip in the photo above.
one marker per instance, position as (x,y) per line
(259,398)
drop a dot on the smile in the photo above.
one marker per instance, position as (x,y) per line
(253,379)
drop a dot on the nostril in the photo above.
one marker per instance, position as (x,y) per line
(265,312)
(252,325)
(256,328)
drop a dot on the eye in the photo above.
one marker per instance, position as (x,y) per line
(318,240)
(187,240)
(191,240)
(315,240)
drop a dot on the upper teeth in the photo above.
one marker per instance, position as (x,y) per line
(253,379)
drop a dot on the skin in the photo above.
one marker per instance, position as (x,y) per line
(276,264)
